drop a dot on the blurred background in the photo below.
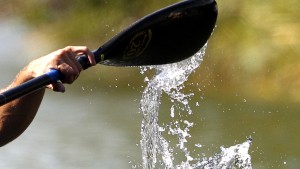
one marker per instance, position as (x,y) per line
(247,86)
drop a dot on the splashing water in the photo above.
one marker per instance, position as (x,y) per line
(230,158)
(170,79)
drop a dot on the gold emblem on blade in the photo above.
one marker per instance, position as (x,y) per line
(102,57)
(138,44)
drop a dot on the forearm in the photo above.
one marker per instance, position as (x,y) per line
(17,115)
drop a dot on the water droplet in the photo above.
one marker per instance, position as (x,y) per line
(198,145)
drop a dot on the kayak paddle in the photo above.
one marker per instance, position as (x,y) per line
(166,36)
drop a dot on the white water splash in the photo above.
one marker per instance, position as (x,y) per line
(170,79)
(230,158)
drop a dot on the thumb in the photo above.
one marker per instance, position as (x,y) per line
(57,87)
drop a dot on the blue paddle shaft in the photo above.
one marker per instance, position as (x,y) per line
(39,82)
(54,75)
(29,86)
(84,61)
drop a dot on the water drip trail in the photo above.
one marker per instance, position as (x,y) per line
(170,79)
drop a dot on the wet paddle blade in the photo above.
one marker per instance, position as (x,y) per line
(169,35)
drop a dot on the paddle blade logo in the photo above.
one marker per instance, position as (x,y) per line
(138,44)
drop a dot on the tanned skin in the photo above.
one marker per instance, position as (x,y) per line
(17,115)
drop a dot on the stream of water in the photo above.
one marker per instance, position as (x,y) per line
(156,149)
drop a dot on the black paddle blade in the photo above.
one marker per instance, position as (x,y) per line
(169,35)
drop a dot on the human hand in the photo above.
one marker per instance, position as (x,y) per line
(63,60)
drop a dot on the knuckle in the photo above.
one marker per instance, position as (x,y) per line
(65,50)
(68,48)
(85,48)
(58,53)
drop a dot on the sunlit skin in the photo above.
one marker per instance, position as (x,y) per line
(17,115)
